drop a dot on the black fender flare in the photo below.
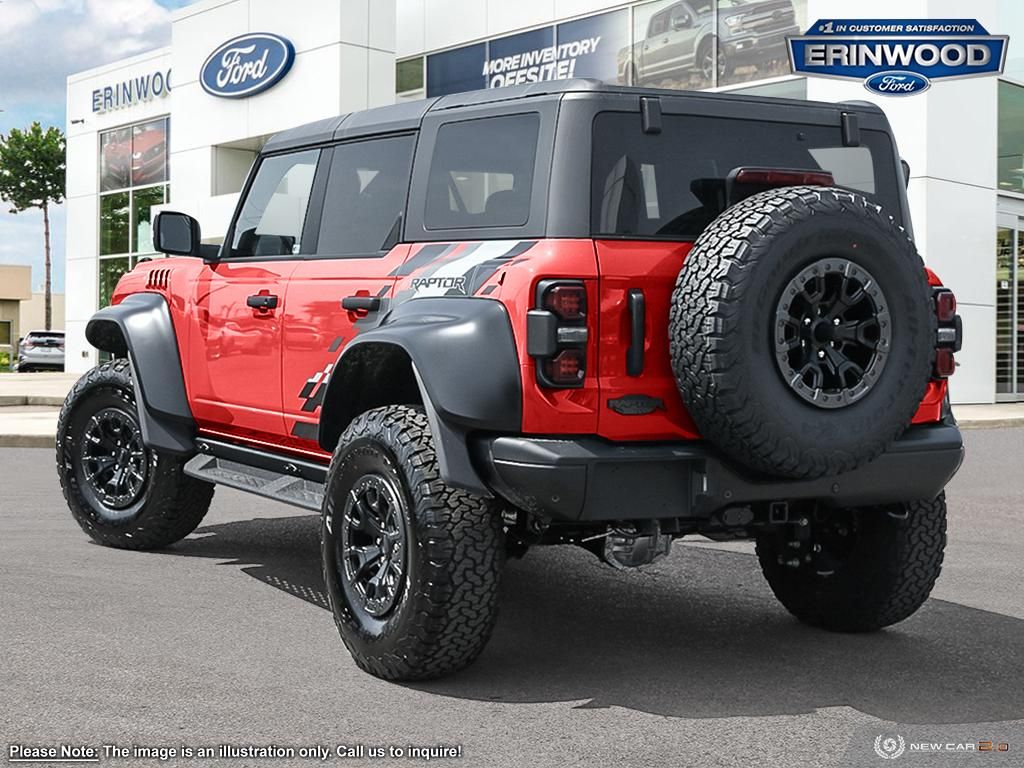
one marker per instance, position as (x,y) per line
(464,359)
(140,329)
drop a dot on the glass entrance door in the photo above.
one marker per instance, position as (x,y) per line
(1010,310)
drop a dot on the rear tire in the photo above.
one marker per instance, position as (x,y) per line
(880,575)
(412,567)
(121,493)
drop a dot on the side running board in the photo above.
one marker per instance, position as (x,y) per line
(280,478)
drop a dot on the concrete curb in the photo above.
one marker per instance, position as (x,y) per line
(27,441)
(47,440)
(1015,421)
(31,400)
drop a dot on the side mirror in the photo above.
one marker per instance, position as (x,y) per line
(176,234)
(680,22)
(906,172)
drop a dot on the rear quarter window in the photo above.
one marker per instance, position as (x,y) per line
(481,172)
(672,184)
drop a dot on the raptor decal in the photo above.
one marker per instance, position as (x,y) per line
(446,269)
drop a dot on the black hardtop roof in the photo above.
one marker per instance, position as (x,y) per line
(407,115)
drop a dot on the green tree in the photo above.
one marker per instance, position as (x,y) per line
(32,165)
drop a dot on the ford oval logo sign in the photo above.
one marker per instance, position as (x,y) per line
(247,65)
(897,83)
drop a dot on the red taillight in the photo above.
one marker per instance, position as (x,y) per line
(945,363)
(567,368)
(945,306)
(567,300)
(949,334)
(557,333)
(774,177)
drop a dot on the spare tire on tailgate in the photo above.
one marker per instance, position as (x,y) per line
(802,332)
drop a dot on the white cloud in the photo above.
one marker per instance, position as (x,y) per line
(44,41)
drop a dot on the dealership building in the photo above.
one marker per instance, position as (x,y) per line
(149,132)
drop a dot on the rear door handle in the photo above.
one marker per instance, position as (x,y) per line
(262,301)
(361,303)
(637,306)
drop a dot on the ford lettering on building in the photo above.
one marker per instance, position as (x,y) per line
(247,65)
(132,91)
(897,58)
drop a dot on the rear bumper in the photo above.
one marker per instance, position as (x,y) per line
(589,479)
(41,359)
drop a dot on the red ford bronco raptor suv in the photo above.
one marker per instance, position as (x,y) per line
(561,312)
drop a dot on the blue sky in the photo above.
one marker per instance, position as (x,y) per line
(41,43)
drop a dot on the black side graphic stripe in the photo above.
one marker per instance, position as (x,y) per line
(314,402)
(423,257)
(335,345)
(305,431)
(481,273)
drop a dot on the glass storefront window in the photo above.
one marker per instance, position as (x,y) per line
(1010,141)
(115,159)
(142,231)
(149,153)
(1010,311)
(114,217)
(680,44)
(671,46)
(110,272)
(409,75)
(752,35)
(1011,22)
(132,179)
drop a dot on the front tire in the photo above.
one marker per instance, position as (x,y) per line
(120,492)
(872,566)
(411,566)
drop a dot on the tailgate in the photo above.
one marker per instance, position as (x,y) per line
(642,403)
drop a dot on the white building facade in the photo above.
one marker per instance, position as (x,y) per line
(144,132)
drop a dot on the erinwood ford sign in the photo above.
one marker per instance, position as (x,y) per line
(897,57)
(243,66)
(247,65)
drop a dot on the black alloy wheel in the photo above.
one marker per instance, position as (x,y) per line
(832,333)
(114,462)
(372,546)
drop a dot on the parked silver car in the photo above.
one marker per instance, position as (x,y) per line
(41,350)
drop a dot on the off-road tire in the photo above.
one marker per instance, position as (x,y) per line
(170,505)
(895,560)
(723,316)
(445,610)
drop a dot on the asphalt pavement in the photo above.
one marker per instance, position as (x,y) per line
(225,638)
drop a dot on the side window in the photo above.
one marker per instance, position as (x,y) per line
(366,193)
(271,220)
(659,24)
(481,174)
(679,16)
